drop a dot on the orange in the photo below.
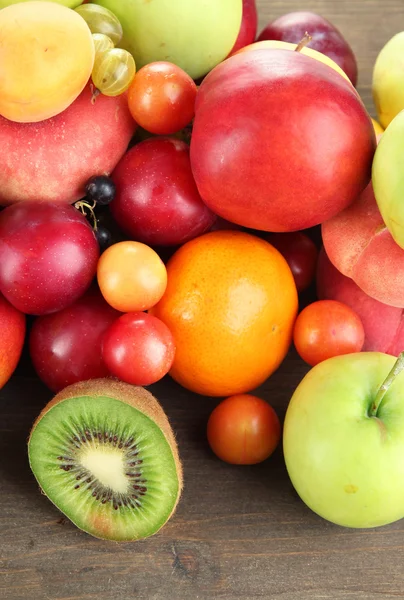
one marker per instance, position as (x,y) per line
(230,304)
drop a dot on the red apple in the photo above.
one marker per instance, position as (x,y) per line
(248,28)
(383,324)
(280,141)
(12,327)
(325,38)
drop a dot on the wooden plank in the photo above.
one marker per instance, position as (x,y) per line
(239,533)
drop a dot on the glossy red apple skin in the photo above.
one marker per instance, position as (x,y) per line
(12,327)
(248,28)
(65,347)
(280,142)
(157,201)
(326,38)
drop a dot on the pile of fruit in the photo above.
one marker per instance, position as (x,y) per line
(168,202)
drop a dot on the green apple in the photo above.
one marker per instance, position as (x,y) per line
(68,3)
(388,178)
(388,80)
(194,34)
(344,439)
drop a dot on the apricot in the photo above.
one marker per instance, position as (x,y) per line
(68,3)
(46,60)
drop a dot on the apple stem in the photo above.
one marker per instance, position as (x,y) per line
(306,39)
(395,371)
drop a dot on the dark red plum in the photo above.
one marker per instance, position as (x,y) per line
(325,38)
(48,256)
(156,200)
(65,347)
(300,253)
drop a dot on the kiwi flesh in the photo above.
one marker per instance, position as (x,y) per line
(105,454)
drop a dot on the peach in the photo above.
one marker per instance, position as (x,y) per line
(53,159)
(383,324)
(46,57)
(361,247)
(12,327)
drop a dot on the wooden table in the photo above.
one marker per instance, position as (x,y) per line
(238,532)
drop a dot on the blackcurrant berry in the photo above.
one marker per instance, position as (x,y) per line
(104,237)
(100,189)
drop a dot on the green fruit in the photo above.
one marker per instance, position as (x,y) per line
(101,20)
(113,71)
(344,441)
(104,453)
(388,80)
(102,43)
(388,178)
(194,34)
(68,3)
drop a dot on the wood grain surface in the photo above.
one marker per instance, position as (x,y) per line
(238,533)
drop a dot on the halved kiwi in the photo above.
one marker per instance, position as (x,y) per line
(104,453)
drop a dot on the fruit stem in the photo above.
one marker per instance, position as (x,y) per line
(395,371)
(94,93)
(306,39)
(82,205)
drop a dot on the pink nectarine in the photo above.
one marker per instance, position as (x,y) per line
(359,245)
(383,324)
(52,160)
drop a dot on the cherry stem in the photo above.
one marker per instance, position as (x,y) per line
(391,377)
(84,206)
(306,39)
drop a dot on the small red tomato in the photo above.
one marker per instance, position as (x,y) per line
(162,98)
(325,329)
(243,430)
(138,348)
(300,253)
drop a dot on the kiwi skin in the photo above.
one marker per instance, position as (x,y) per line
(135,396)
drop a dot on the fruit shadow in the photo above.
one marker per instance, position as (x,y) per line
(21,401)
(189,413)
